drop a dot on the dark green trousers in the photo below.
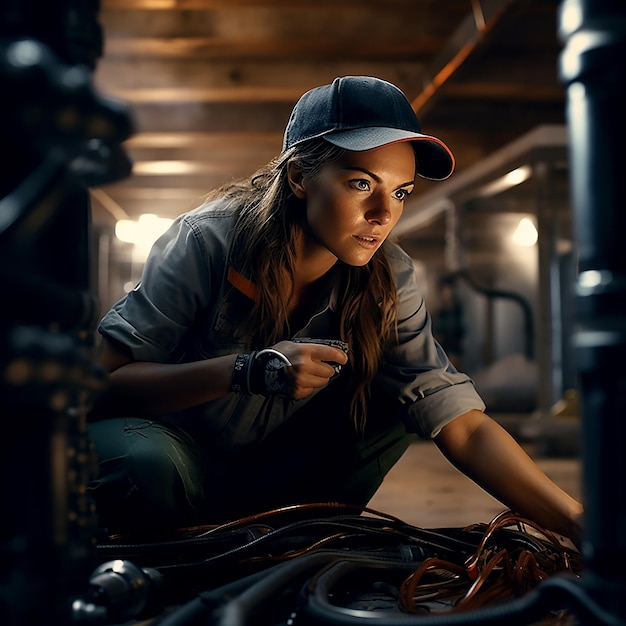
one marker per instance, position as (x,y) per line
(155,477)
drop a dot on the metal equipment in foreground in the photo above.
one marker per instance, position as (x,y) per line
(593,70)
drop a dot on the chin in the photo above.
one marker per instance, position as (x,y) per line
(357,262)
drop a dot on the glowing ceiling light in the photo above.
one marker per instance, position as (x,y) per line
(142,233)
(525,234)
(168,168)
(509,180)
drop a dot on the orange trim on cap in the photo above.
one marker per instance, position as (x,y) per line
(247,287)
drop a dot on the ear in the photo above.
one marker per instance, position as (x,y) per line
(295,178)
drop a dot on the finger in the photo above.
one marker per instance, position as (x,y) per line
(302,387)
(335,344)
(312,371)
(328,353)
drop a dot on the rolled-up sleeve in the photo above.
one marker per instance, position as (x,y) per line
(176,283)
(417,371)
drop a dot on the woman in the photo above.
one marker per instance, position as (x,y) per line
(277,349)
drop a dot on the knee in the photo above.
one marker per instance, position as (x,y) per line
(145,484)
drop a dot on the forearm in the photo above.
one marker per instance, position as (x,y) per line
(487,454)
(152,389)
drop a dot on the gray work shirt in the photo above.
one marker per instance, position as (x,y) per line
(176,314)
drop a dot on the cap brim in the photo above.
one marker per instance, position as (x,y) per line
(435,160)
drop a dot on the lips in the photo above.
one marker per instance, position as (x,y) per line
(367,241)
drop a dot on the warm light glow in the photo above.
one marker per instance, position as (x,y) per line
(126,230)
(525,234)
(142,233)
(518,176)
(571,17)
(510,179)
(168,168)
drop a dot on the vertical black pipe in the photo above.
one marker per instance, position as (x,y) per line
(593,70)
(59,137)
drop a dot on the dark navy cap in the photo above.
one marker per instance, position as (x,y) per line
(361,113)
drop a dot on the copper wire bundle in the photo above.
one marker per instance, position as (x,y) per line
(492,574)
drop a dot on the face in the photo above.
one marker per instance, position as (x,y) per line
(353,203)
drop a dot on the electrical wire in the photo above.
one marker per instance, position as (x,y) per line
(259,539)
(333,568)
(492,573)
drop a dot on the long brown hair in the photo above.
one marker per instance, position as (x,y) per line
(263,249)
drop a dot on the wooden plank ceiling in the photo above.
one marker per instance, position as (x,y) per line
(210,83)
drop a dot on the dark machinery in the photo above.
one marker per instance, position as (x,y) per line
(593,71)
(58,138)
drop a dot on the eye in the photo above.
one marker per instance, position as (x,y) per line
(402,194)
(361,184)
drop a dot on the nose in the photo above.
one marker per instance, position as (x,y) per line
(380,212)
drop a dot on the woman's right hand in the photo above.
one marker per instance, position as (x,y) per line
(313,364)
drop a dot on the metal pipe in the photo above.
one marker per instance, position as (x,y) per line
(594,74)
(463,43)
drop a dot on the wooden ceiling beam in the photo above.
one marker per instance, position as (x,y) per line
(304,48)
(185,73)
(195,139)
(512,91)
(218,117)
(161,5)
(272,23)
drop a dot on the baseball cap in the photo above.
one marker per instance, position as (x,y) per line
(361,113)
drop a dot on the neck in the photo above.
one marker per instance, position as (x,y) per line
(312,260)
(312,263)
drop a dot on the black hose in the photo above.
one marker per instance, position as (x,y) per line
(489,292)
(235,612)
(433,541)
(206,602)
(555,593)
